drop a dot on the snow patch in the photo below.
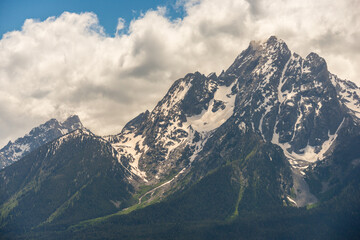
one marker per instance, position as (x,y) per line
(63,131)
(21,149)
(242,127)
(162,185)
(306,70)
(281,81)
(132,147)
(267,110)
(317,110)
(309,154)
(291,200)
(208,120)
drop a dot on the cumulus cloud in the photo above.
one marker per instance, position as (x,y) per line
(68,65)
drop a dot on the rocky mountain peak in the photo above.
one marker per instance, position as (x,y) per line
(259,59)
(271,45)
(73,122)
(287,100)
(316,63)
(37,137)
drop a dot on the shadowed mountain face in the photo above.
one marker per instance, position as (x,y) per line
(273,132)
(73,178)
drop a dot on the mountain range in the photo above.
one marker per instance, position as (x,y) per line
(267,149)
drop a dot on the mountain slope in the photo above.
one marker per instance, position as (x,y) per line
(73,178)
(37,137)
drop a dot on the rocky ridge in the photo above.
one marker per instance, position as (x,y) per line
(290,101)
(37,137)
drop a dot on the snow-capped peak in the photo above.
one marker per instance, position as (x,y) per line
(349,94)
(269,90)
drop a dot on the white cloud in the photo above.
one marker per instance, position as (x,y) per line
(120,25)
(68,65)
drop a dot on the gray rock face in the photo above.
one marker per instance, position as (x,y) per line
(290,101)
(37,137)
(158,142)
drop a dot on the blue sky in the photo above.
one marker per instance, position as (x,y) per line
(14,12)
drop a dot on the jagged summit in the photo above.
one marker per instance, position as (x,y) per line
(285,99)
(73,122)
(266,55)
(37,137)
(272,41)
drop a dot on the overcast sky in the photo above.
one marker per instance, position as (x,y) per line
(70,64)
